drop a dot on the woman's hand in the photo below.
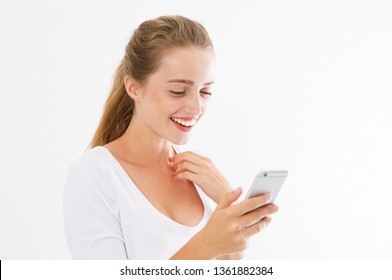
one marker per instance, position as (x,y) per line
(201,171)
(230,226)
(227,232)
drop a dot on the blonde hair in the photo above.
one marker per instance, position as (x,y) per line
(148,44)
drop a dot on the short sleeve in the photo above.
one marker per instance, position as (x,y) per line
(91,218)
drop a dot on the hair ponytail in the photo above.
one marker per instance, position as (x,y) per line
(117,113)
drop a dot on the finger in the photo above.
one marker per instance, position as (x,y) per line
(258,214)
(233,256)
(187,176)
(187,166)
(251,204)
(257,227)
(187,153)
(229,198)
(180,158)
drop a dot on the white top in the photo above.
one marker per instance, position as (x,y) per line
(107,217)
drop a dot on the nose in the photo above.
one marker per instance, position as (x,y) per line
(194,105)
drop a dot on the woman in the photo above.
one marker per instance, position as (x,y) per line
(134,195)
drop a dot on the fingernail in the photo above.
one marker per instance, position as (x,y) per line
(236,190)
(267,220)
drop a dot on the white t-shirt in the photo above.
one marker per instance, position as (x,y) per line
(107,217)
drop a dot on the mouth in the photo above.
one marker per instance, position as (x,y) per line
(183,124)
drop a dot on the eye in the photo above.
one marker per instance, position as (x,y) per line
(178,92)
(206,92)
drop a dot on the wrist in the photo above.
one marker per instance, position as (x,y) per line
(201,247)
(223,190)
(195,249)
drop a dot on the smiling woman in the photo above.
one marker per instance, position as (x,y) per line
(134,194)
(175,93)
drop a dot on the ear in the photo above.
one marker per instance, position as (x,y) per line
(132,87)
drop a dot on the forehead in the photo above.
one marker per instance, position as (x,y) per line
(190,63)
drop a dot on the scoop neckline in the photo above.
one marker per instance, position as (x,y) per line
(159,214)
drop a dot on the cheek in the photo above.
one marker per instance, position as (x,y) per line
(172,105)
(163,108)
(205,104)
(154,102)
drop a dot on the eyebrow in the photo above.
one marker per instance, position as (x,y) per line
(188,82)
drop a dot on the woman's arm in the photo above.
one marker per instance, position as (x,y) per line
(203,172)
(229,228)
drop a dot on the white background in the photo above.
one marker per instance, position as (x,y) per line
(300,85)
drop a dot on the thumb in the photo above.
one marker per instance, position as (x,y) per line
(229,198)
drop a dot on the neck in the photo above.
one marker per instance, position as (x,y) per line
(144,148)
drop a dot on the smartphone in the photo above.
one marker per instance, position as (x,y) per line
(267,181)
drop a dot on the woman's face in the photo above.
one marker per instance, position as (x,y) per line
(174,98)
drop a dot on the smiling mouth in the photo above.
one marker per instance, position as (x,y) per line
(184,123)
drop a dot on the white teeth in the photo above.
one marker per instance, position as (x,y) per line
(184,122)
